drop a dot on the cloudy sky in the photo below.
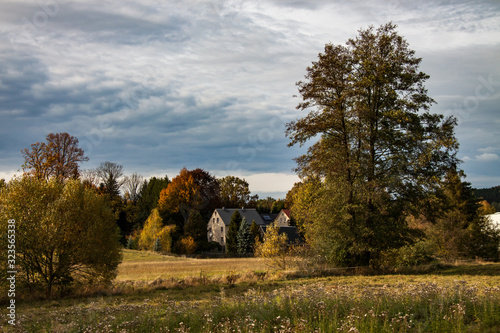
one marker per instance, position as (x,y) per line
(160,85)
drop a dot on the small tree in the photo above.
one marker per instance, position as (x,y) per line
(232,233)
(255,231)
(157,245)
(244,237)
(187,245)
(195,226)
(274,247)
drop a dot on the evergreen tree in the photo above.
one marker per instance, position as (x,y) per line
(255,231)
(232,233)
(196,227)
(244,237)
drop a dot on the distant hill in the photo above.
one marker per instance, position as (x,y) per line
(492,195)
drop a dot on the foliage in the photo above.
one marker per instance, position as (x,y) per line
(244,237)
(154,230)
(460,231)
(255,231)
(491,195)
(58,157)
(232,232)
(187,245)
(196,227)
(148,198)
(234,192)
(379,147)
(157,245)
(274,247)
(64,233)
(194,189)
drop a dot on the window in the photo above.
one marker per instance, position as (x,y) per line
(217,220)
(213,220)
(222,229)
(222,240)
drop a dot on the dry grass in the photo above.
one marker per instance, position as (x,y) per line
(149,266)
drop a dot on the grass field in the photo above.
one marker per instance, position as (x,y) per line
(155,293)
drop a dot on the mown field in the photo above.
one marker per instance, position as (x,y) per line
(155,293)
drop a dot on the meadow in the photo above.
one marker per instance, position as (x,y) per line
(155,293)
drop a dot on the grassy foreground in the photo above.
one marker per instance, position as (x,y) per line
(236,295)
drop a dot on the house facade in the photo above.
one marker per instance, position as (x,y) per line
(221,218)
(283,218)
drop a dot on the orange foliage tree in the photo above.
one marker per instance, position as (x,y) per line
(58,157)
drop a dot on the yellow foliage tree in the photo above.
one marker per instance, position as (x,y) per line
(187,245)
(274,247)
(64,232)
(153,230)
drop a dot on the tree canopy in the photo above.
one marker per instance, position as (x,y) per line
(64,231)
(379,147)
(58,157)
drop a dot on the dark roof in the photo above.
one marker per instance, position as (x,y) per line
(250,214)
(291,233)
(268,218)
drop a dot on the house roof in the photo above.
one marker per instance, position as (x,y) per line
(287,212)
(250,214)
(291,233)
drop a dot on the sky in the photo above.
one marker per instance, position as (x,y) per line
(160,85)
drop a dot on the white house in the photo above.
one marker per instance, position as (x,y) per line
(495,219)
(283,218)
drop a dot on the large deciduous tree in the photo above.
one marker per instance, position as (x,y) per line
(58,157)
(379,148)
(234,191)
(191,189)
(64,232)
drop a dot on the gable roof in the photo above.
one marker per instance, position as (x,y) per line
(250,214)
(287,212)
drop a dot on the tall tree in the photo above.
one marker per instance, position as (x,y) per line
(110,175)
(232,233)
(58,157)
(148,197)
(191,189)
(379,147)
(234,192)
(244,237)
(133,185)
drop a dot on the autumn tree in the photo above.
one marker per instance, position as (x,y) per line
(148,198)
(191,189)
(274,247)
(64,233)
(234,192)
(155,232)
(378,148)
(460,231)
(232,232)
(59,156)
